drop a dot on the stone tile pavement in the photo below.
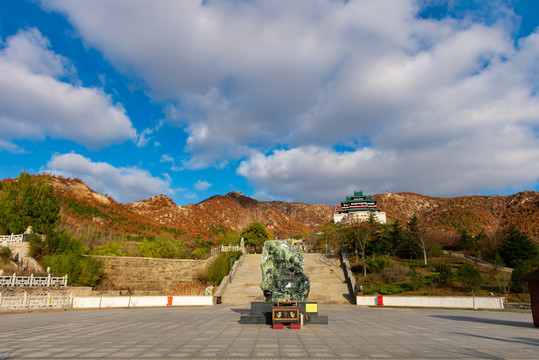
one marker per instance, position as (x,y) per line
(214,332)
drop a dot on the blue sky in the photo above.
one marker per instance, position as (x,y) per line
(298,101)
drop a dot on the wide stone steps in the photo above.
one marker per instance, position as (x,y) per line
(326,274)
(328,282)
(245,285)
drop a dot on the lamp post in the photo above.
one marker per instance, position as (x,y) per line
(231,262)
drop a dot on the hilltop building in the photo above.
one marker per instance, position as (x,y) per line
(358,206)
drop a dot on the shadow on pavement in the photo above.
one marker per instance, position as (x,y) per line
(519,340)
(240,311)
(487,321)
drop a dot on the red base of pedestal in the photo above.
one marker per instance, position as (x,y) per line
(295,326)
(278,326)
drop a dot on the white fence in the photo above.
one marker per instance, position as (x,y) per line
(43,302)
(26,302)
(20,281)
(100,302)
(223,248)
(6,239)
(433,301)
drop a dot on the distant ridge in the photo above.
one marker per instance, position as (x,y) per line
(83,207)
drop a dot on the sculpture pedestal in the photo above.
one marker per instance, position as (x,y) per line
(261,313)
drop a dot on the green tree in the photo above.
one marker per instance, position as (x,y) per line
(466,241)
(29,201)
(470,277)
(517,247)
(522,268)
(399,242)
(255,235)
(445,275)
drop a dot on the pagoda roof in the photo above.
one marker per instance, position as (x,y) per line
(359,209)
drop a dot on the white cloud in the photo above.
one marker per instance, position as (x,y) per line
(202,185)
(492,160)
(432,100)
(35,103)
(124,184)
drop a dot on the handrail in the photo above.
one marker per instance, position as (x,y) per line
(349,275)
(226,280)
(24,281)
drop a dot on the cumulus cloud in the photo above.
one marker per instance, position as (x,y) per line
(440,106)
(202,185)
(37,103)
(491,160)
(124,184)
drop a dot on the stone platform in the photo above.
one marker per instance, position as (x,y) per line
(261,313)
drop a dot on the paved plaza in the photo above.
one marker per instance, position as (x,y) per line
(214,332)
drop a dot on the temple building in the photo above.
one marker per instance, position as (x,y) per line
(358,206)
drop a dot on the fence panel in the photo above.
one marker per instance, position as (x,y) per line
(27,281)
(26,302)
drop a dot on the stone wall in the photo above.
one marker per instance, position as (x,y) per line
(149,275)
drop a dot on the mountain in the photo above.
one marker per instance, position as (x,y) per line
(236,211)
(83,208)
(492,213)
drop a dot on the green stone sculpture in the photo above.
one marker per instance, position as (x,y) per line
(282,272)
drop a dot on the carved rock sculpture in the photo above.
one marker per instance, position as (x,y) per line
(282,272)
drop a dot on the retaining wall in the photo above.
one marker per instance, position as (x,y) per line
(149,274)
(434,301)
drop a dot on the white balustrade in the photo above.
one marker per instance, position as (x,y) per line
(36,302)
(27,281)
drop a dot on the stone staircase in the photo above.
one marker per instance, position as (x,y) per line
(327,277)
(328,285)
(245,285)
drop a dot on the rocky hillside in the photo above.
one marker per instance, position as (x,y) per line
(83,208)
(475,213)
(235,211)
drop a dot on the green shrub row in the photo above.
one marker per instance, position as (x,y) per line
(219,268)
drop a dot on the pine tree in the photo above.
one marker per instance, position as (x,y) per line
(517,247)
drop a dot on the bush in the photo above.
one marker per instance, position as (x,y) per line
(219,268)
(111,248)
(395,272)
(163,248)
(391,289)
(82,271)
(379,263)
(5,253)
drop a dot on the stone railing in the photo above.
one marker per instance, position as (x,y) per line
(26,302)
(6,239)
(222,248)
(23,281)
(228,278)
(349,275)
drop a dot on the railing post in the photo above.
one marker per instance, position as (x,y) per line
(31,279)
(49,280)
(13,279)
(65,280)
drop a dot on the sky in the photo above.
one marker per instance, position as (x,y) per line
(302,100)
